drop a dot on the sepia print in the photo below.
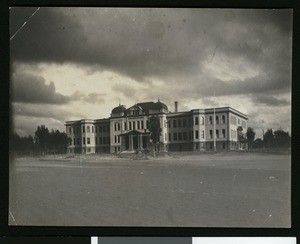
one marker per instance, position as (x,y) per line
(150,117)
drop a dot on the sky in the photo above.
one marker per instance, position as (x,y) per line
(80,63)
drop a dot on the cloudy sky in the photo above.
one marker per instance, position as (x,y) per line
(75,63)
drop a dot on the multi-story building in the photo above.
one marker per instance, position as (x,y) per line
(128,130)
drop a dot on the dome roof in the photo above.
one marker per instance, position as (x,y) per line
(159,105)
(119,109)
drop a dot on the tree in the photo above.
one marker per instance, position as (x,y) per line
(241,136)
(250,136)
(282,139)
(155,130)
(42,137)
(258,143)
(269,139)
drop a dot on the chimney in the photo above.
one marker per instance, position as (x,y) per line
(176,106)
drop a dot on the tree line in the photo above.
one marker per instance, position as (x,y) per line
(43,142)
(271,139)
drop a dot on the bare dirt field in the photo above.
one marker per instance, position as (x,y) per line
(190,190)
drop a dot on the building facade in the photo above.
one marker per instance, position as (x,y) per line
(128,130)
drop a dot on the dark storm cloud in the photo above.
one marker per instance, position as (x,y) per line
(28,88)
(43,111)
(174,45)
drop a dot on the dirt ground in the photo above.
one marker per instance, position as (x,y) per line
(190,190)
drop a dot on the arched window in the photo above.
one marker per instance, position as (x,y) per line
(202,120)
(88,129)
(196,121)
(223,119)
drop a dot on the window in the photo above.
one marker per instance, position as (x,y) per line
(107,127)
(96,139)
(217,119)
(175,136)
(89,150)
(125,126)
(196,121)
(116,140)
(179,123)
(119,139)
(100,140)
(92,129)
(70,142)
(196,134)
(169,123)
(138,125)
(202,120)
(210,120)
(88,140)
(223,119)
(210,134)
(78,141)
(96,128)
(142,124)
(115,126)
(104,140)
(83,140)
(184,123)
(88,129)
(165,136)
(170,137)
(223,133)
(100,128)
(174,123)
(184,136)
(83,129)
(202,145)
(217,133)
(78,129)
(70,130)
(74,141)
(202,134)
(211,145)
(119,126)
(147,124)
(133,125)
(180,136)
(130,128)
(197,146)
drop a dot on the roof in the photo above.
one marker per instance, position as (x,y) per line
(119,109)
(146,106)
